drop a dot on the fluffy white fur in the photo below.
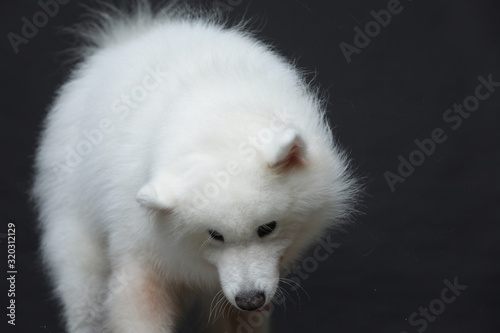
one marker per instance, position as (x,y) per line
(172,127)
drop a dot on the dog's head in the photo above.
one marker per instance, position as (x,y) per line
(253,211)
(248,265)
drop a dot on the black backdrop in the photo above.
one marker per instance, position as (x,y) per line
(436,225)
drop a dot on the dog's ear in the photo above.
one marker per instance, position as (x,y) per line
(286,151)
(155,195)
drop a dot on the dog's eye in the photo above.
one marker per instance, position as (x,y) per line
(266,229)
(215,235)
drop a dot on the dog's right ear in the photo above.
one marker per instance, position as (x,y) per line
(155,195)
(286,151)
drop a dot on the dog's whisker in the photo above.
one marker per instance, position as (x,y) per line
(281,296)
(287,295)
(222,309)
(213,307)
(283,293)
(219,306)
(222,304)
(296,287)
(230,309)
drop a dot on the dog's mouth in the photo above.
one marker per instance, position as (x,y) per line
(264,308)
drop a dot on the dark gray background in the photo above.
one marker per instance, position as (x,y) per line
(441,223)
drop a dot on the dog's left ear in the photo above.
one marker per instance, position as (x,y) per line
(155,195)
(286,151)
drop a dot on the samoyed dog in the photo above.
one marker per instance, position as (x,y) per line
(183,164)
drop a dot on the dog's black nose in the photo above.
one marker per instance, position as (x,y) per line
(251,300)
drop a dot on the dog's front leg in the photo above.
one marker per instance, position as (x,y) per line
(139,300)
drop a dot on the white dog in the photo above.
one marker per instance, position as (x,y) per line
(183,162)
